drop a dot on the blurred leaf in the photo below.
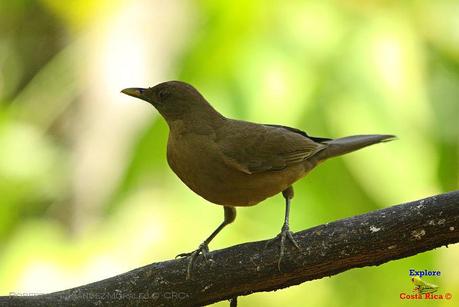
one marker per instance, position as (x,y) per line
(80,13)
(29,178)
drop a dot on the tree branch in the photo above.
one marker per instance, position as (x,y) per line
(364,240)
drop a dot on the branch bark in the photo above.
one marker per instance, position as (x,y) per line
(364,240)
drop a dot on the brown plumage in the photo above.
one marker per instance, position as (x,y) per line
(237,163)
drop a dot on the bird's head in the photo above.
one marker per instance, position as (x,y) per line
(173,99)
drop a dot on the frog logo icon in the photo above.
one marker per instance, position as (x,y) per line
(423,287)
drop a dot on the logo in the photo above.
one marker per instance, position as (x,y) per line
(423,287)
(425,290)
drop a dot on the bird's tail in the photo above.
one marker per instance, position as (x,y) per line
(341,146)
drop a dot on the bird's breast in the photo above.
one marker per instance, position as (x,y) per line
(196,161)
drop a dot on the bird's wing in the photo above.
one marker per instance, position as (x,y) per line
(254,148)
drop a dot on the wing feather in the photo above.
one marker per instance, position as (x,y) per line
(253,148)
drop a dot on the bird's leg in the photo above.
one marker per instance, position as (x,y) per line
(285,230)
(230,216)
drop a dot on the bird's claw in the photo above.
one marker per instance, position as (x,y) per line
(285,233)
(203,249)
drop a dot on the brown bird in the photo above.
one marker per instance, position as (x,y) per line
(237,163)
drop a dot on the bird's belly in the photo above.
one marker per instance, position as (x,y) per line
(240,189)
(211,178)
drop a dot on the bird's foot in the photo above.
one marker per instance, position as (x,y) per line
(284,234)
(203,249)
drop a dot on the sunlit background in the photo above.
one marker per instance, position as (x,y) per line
(85,190)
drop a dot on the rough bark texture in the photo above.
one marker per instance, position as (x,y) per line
(364,240)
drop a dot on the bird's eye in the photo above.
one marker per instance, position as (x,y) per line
(141,90)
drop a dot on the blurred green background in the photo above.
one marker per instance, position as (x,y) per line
(85,190)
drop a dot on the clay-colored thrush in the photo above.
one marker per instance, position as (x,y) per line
(237,163)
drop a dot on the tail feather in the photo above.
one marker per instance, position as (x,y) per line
(341,146)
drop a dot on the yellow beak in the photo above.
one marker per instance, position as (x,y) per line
(133,91)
